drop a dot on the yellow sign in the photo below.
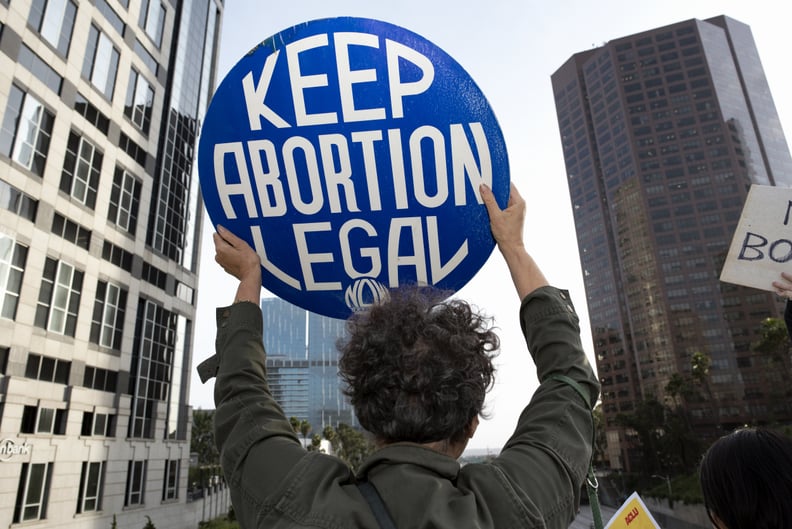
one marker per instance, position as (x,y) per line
(633,515)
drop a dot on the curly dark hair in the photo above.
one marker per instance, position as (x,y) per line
(418,366)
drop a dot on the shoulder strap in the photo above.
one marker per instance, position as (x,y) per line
(591,480)
(378,508)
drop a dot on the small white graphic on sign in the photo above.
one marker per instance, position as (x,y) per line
(365,292)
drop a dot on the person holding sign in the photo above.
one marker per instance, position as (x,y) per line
(417,368)
(746,480)
(783,288)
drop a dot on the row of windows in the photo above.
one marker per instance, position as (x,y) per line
(59,297)
(52,421)
(35,480)
(25,137)
(54,20)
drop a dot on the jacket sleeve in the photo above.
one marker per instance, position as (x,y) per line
(547,457)
(252,433)
(788,318)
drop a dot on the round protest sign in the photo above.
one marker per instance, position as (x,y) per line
(349,153)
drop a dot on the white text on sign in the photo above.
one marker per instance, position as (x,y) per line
(255,91)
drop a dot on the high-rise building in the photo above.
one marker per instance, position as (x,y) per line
(663,132)
(302,364)
(100,221)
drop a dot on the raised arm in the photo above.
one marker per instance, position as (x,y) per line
(507,229)
(238,259)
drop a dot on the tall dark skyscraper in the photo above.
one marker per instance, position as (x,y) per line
(100,220)
(663,132)
(302,364)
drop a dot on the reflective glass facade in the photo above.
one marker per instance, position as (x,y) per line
(663,132)
(302,364)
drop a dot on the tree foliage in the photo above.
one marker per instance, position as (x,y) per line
(202,441)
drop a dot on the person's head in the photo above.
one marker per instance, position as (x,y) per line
(417,367)
(746,480)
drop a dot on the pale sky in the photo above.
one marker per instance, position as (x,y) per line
(510,48)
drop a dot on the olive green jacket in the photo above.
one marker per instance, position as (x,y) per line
(535,482)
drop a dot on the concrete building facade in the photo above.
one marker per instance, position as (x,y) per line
(100,219)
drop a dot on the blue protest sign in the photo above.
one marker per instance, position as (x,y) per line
(349,152)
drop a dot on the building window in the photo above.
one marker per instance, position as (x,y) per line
(38,67)
(13,256)
(33,492)
(170,485)
(117,255)
(139,101)
(98,424)
(111,16)
(101,62)
(87,110)
(59,297)
(124,201)
(101,379)
(150,372)
(71,231)
(134,150)
(54,20)
(81,168)
(108,315)
(152,19)
(37,419)
(4,353)
(136,481)
(91,481)
(18,202)
(47,369)
(27,127)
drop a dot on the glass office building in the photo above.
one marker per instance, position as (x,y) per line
(663,133)
(302,364)
(100,219)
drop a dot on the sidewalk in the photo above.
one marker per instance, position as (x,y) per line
(583,519)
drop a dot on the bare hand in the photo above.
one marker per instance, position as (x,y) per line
(784,288)
(506,224)
(236,256)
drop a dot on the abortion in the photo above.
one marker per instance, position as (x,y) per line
(308,175)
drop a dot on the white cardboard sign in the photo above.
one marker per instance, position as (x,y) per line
(762,244)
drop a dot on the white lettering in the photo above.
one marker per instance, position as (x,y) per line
(370,252)
(397,168)
(366,140)
(347,76)
(440,172)
(398,89)
(311,171)
(255,95)
(267,180)
(464,162)
(416,259)
(269,266)
(440,270)
(227,190)
(307,259)
(340,178)
(300,82)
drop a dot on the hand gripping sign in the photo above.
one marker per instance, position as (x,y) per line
(349,153)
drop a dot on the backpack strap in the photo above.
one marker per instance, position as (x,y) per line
(591,480)
(378,508)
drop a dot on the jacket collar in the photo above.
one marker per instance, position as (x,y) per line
(414,454)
